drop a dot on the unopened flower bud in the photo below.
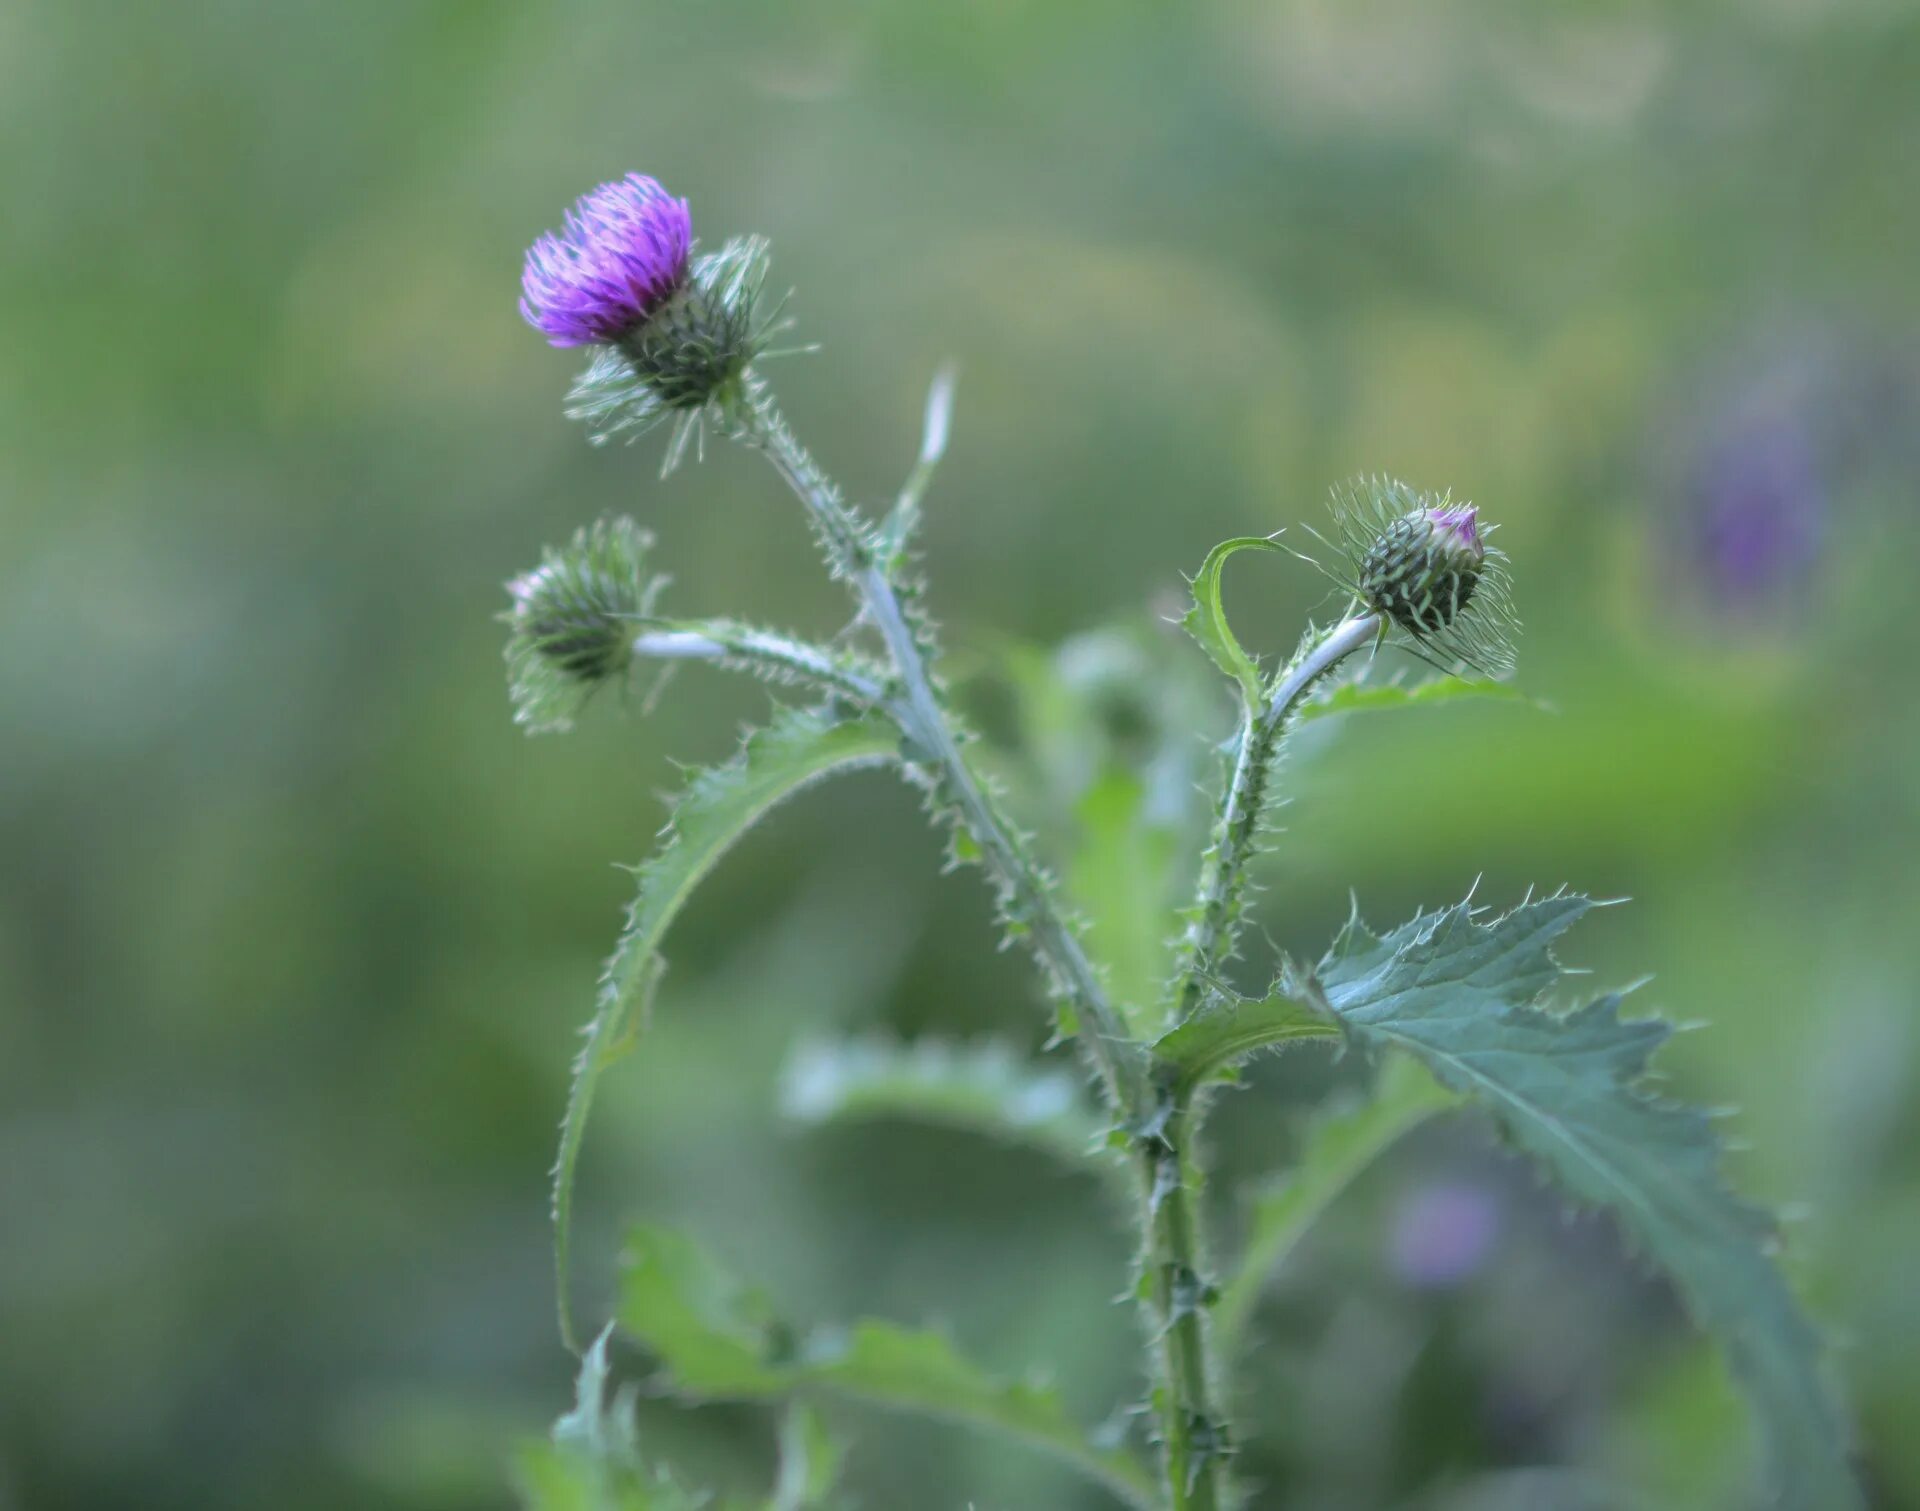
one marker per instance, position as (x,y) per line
(573,621)
(1423,565)
(1423,568)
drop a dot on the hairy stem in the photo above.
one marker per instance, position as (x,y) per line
(1215,921)
(763,652)
(1196,1438)
(1026,895)
(1159,1119)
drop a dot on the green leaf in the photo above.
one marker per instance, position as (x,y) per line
(720,804)
(552,1478)
(600,1428)
(1458,996)
(809,1461)
(1118,882)
(1339,1147)
(593,1461)
(1226,1029)
(904,518)
(1362,697)
(717,1340)
(988,1088)
(1206,621)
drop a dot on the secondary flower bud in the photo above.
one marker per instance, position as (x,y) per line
(1423,565)
(1423,568)
(573,621)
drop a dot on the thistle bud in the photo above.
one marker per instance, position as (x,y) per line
(573,621)
(1421,571)
(675,333)
(1423,564)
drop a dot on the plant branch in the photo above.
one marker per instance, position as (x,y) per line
(1196,1439)
(935,745)
(1215,916)
(766,653)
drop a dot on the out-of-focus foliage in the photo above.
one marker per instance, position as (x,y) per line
(299,928)
(717,1339)
(986,1088)
(797,748)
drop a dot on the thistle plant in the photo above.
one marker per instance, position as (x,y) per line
(1459,1006)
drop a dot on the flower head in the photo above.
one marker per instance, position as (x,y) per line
(623,252)
(1424,565)
(573,621)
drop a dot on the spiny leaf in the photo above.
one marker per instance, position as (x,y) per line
(987,1088)
(604,1428)
(593,1461)
(1206,621)
(717,1340)
(720,804)
(1458,996)
(553,1478)
(1340,1146)
(1361,697)
(904,518)
(1226,1029)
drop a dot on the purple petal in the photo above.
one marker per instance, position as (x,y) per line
(621,252)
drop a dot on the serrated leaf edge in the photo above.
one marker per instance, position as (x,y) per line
(798,748)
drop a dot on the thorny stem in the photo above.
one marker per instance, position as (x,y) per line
(1196,1439)
(1209,937)
(1160,1119)
(758,650)
(918,710)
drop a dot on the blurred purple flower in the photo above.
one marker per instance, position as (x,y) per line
(621,254)
(1757,510)
(1789,433)
(1443,1233)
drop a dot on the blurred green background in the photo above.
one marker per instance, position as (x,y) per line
(299,929)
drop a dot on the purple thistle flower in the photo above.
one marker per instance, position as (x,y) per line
(1759,504)
(622,254)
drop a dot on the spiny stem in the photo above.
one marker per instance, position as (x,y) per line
(1210,936)
(771,655)
(1194,1439)
(850,551)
